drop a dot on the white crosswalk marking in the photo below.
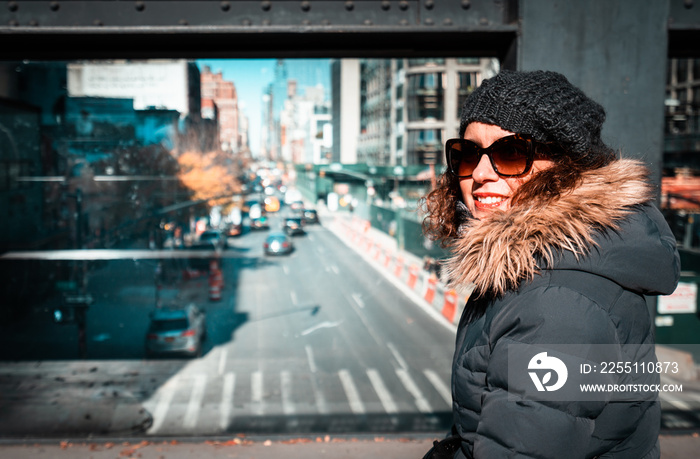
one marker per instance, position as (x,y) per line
(382,391)
(166,394)
(227,399)
(351,392)
(439,385)
(256,392)
(412,388)
(195,404)
(286,389)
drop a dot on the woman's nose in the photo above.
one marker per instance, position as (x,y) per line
(484,171)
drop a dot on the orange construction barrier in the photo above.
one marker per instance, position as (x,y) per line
(399,266)
(430,289)
(450,306)
(412,276)
(214,289)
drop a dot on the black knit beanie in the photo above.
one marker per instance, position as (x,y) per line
(544,105)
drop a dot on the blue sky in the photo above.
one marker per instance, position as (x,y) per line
(252,76)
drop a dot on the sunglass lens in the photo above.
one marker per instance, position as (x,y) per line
(511,158)
(463,158)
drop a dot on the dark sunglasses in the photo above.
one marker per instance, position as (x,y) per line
(510,156)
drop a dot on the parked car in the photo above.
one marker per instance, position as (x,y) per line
(310,216)
(278,243)
(176,329)
(297,205)
(294,226)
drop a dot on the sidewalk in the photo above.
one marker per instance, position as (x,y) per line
(389,447)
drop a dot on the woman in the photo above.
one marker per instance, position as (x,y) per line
(560,241)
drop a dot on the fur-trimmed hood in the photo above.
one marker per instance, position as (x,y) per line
(606,226)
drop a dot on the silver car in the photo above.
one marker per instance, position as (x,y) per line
(278,243)
(176,330)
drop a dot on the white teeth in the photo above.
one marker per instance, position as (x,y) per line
(489,199)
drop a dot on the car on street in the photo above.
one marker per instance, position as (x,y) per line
(278,243)
(175,329)
(294,226)
(216,237)
(259,223)
(297,205)
(310,216)
(234,230)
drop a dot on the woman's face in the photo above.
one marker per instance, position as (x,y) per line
(485,191)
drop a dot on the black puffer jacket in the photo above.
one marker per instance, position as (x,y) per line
(572,272)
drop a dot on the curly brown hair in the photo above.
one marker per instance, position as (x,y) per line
(442,221)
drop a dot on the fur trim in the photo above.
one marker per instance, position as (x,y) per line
(497,253)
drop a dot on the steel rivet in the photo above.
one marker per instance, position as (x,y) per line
(266,22)
(326,22)
(403,22)
(386,5)
(14,23)
(225,6)
(466,4)
(54,6)
(13,6)
(349,5)
(403,4)
(266,5)
(306,22)
(447,21)
(247,22)
(140,6)
(484,21)
(305,6)
(182,22)
(33,23)
(97,22)
(368,22)
(429,21)
(429,4)
(688,4)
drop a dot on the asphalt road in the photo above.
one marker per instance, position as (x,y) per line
(316,341)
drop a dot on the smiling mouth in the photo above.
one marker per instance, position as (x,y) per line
(489,200)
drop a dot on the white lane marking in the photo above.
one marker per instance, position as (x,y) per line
(351,392)
(439,385)
(382,391)
(285,269)
(400,360)
(310,358)
(335,269)
(227,399)
(286,389)
(325,324)
(358,299)
(167,393)
(195,404)
(293,295)
(412,388)
(222,359)
(318,395)
(256,392)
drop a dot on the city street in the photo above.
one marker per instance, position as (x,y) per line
(314,341)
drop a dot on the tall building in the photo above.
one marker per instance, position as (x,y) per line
(409,107)
(345,111)
(221,93)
